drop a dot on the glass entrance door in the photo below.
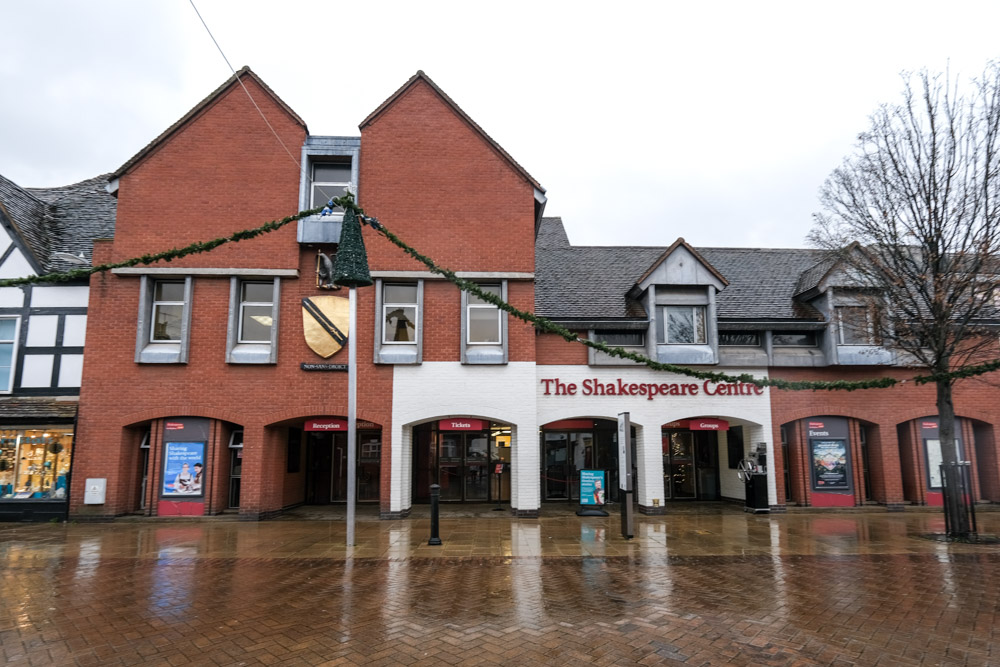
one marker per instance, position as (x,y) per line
(235,475)
(477,473)
(338,475)
(556,466)
(678,465)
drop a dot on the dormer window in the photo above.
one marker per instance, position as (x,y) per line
(682,325)
(329,180)
(855,326)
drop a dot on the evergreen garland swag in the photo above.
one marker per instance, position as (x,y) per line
(352,267)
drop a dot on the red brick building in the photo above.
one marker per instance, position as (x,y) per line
(203,391)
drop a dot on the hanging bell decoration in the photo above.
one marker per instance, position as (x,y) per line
(350,269)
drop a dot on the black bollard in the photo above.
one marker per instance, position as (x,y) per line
(435,502)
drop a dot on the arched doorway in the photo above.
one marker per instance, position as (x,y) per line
(468,458)
(571,445)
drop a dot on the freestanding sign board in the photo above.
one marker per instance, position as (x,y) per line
(625,473)
(592,487)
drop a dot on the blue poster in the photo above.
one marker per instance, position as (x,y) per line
(591,487)
(183,469)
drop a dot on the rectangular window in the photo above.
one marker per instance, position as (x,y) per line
(8,348)
(252,336)
(683,325)
(256,307)
(162,336)
(168,312)
(329,180)
(34,463)
(794,339)
(399,313)
(621,338)
(484,318)
(854,326)
(739,338)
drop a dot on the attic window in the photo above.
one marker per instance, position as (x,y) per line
(616,338)
(329,180)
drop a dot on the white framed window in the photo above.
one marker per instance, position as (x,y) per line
(484,326)
(164,320)
(682,325)
(168,311)
(400,313)
(329,180)
(855,326)
(256,317)
(252,337)
(483,318)
(8,351)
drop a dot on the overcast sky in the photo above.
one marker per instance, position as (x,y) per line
(715,121)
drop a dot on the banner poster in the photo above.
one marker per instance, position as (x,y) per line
(592,487)
(829,458)
(934,460)
(184,469)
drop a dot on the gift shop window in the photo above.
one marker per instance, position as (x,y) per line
(164,321)
(484,326)
(34,462)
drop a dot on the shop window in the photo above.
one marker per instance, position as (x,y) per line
(855,326)
(164,321)
(8,352)
(398,325)
(682,325)
(34,463)
(484,327)
(739,338)
(253,321)
(621,338)
(793,339)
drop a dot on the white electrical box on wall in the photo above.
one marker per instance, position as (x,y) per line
(94,491)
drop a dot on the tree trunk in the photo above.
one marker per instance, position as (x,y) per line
(955,500)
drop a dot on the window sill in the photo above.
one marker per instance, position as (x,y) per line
(864,355)
(320,229)
(161,353)
(685,354)
(250,353)
(397,354)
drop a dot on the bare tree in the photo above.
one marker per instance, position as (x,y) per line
(913,216)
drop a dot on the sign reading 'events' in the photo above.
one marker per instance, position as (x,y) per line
(648,390)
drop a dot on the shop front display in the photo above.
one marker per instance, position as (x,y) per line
(572,445)
(35,468)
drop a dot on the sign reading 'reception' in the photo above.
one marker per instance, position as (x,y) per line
(183,469)
(649,390)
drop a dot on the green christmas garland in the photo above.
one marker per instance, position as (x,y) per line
(542,324)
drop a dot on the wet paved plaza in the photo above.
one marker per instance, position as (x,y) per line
(721,587)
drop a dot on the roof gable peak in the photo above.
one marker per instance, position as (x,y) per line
(684,275)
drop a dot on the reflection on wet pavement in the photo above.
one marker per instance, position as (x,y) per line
(723,588)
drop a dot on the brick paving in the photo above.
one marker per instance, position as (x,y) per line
(830,589)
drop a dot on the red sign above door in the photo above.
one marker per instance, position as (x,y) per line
(704,424)
(461,424)
(334,424)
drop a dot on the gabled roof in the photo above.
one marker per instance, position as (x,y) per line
(811,279)
(26,213)
(63,219)
(234,80)
(420,76)
(681,243)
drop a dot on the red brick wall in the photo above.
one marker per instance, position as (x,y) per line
(897,467)
(436,183)
(552,350)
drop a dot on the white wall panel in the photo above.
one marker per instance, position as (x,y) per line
(498,393)
(11,297)
(70,370)
(75,331)
(16,266)
(754,411)
(37,370)
(60,296)
(42,330)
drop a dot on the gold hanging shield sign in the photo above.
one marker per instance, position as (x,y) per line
(325,320)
